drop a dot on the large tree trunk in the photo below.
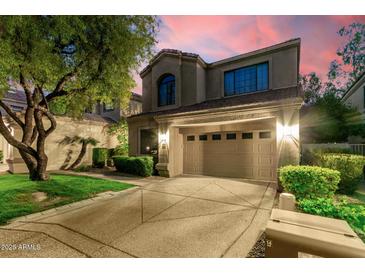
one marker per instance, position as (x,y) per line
(79,158)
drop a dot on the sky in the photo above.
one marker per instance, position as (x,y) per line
(219,37)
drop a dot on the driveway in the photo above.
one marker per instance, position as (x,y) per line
(188,216)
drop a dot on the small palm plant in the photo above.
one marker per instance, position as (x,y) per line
(84,142)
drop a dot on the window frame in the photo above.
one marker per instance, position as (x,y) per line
(216,135)
(235,90)
(203,139)
(232,134)
(173,95)
(250,133)
(140,140)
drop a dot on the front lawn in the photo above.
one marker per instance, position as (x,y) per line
(17,192)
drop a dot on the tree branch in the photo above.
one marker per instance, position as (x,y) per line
(12,114)
(12,141)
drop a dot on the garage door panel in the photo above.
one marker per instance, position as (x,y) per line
(245,158)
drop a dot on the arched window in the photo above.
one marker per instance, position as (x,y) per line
(166,90)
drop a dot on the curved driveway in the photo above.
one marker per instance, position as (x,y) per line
(187,216)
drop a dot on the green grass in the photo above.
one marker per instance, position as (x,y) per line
(16,192)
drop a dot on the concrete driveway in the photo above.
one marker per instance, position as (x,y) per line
(187,216)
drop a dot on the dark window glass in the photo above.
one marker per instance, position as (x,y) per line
(247,135)
(265,134)
(247,79)
(191,138)
(231,136)
(166,91)
(203,137)
(216,136)
(149,141)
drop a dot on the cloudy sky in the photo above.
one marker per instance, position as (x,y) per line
(218,37)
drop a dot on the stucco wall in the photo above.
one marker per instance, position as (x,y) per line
(197,82)
(57,153)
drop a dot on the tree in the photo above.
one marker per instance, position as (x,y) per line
(121,130)
(352,63)
(330,120)
(74,61)
(312,86)
(84,142)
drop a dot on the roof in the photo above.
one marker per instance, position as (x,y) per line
(175,52)
(239,100)
(354,86)
(16,95)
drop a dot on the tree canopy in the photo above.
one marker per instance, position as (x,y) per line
(70,63)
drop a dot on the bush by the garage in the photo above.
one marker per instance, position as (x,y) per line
(100,156)
(309,181)
(141,166)
(351,168)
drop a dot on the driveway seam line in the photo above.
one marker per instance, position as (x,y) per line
(239,197)
(243,232)
(82,234)
(195,216)
(50,236)
(162,211)
(198,198)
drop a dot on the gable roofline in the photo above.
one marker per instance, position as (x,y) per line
(178,53)
(354,87)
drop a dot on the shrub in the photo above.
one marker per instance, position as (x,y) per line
(1,156)
(100,156)
(354,215)
(82,168)
(142,166)
(349,165)
(311,156)
(309,181)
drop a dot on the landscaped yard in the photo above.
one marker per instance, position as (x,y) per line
(19,196)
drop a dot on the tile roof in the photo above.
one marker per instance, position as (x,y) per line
(239,100)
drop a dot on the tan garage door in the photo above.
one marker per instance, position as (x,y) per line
(243,154)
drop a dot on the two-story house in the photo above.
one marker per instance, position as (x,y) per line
(237,117)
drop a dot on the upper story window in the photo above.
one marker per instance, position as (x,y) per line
(247,79)
(166,91)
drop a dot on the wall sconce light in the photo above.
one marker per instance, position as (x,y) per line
(288,131)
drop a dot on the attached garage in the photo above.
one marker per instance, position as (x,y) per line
(247,154)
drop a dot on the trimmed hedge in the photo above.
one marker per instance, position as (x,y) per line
(351,168)
(141,166)
(309,182)
(100,155)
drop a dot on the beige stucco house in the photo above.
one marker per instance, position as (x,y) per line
(237,117)
(94,124)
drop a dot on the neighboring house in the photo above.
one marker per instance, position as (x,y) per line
(93,124)
(355,96)
(237,117)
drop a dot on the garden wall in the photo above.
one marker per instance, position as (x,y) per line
(59,155)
